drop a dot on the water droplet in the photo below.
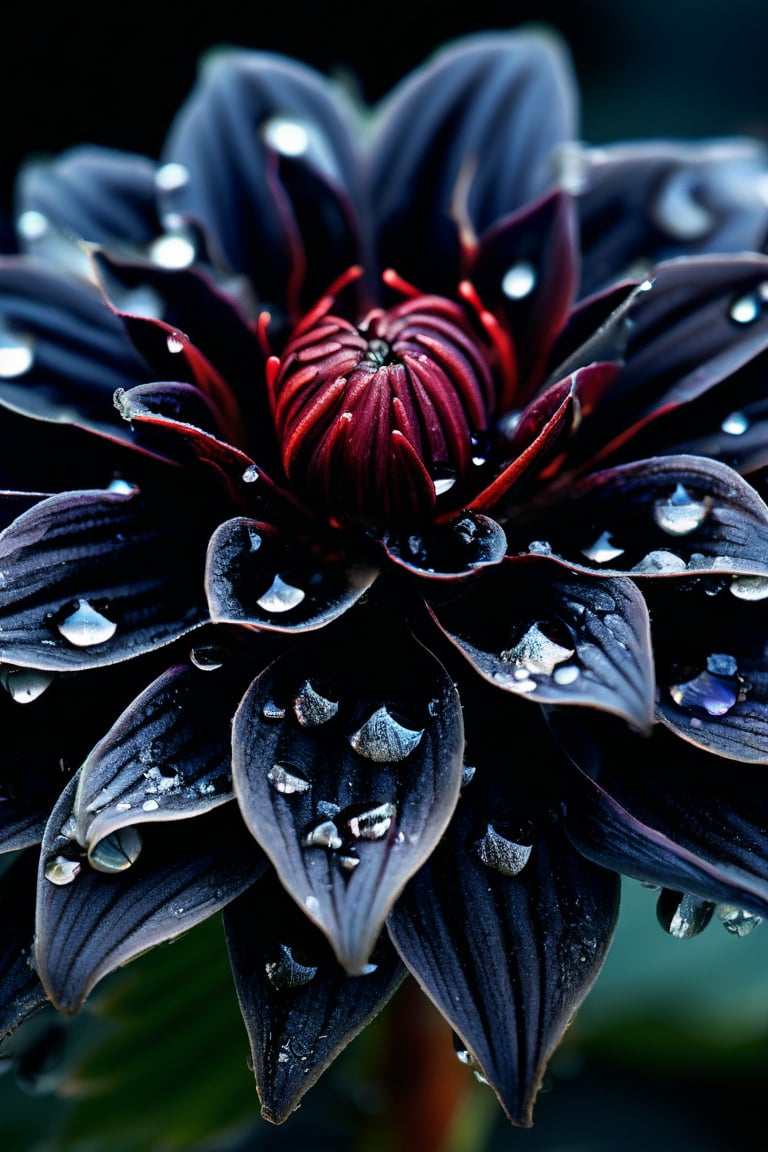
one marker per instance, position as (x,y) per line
(272,711)
(313,709)
(122,487)
(117,851)
(384,739)
(287,137)
(281,596)
(59,870)
(172,176)
(746,309)
(736,424)
(286,971)
(325,834)
(123,806)
(32,225)
(504,855)
(24,684)
(679,514)
(251,474)
(467,774)
(738,921)
(659,562)
(682,915)
(373,823)
(16,354)
(287,780)
(150,805)
(566,674)
(349,862)
(535,652)
(519,280)
(603,550)
(540,547)
(173,250)
(677,211)
(443,479)
(207,657)
(174,343)
(715,690)
(85,626)
(749,587)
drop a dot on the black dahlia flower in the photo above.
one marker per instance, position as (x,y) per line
(384,558)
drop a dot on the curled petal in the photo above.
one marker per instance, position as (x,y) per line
(347,767)
(21,993)
(455,548)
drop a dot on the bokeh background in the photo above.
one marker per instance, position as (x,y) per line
(671,1049)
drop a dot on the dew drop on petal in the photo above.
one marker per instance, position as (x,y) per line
(506,856)
(150,806)
(281,596)
(32,225)
(384,739)
(172,250)
(349,863)
(311,708)
(286,972)
(174,343)
(519,280)
(287,780)
(659,562)
(715,690)
(325,834)
(373,823)
(681,915)
(566,674)
(207,657)
(679,514)
(16,354)
(443,480)
(736,424)
(745,310)
(737,921)
(288,137)
(749,587)
(122,487)
(86,626)
(117,851)
(172,176)
(272,711)
(603,550)
(59,870)
(24,685)
(535,652)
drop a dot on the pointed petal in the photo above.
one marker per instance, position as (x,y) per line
(506,958)
(258,577)
(707,835)
(463,142)
(347,764)
(300,1007)
(91,922)
(533,630)
(21,993)
(94,577)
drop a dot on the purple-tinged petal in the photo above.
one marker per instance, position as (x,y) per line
(270,173)
(259,577)
(506,938)
(641,203)
(21,993)
(536,631)
(664,811)
(667,516)
(447,551)
(90,922)
(463,142)
(300,1007)
(347,765)
(63,352)
(88,193)
(525,272)
(167,757)
(90,578)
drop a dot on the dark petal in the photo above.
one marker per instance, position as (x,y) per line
(167,757)
(641,203)
(665,812)
(268,157)
(21,993)
(455,548)
(695,324)
(506,958)
(258,577)
(667,516)
(64,352)
(300,1007)
(347,765)
(91,578)
(94,194)
(525,272)
(532,629)
(89,922)
(539,434)
(463,142)
(712,670)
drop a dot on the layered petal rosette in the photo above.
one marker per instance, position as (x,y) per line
(389,482)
